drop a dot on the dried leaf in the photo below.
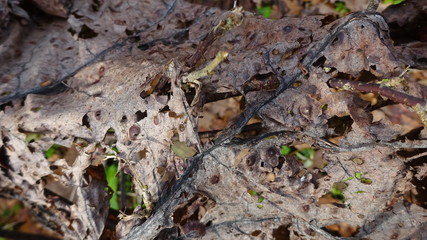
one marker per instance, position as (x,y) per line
(182,150)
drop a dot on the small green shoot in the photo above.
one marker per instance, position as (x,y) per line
(114,148)
(307,156)
(348,179)
(366,181)
(337,193)
(340,7)
(394,2)
(52,150)
(31,137)
(252,192)
(337,190)
(285,150)
(358,175)
(130,192)
(8,217)
(9,212)
(363,180)
(265,11)
(113,183)
(260,199)
(359,192)
(392,82)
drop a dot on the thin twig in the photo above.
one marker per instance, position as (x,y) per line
(417,156)
(419,105)
(392,94)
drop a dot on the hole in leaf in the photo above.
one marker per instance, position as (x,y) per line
(342,75)
(414,134)
(4,158)
(341,125)
(251,160)
(183,24)
(168,233)
(327,19)
(85,121)
(140,115)
(319,62)
(366,76)
(341,230)
(181,36)
(145,46)
(86,32)
(256,233)
(282,233)
(338,39)
(98,115)
(165,109)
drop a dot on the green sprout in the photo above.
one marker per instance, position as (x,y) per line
(35,109)
(265,11)
(285,150)
(348,179)
(394,2)
(366,181)
(252,192)
(306,155)
(9,212)
(8,220)
(54,149)
(340,7)
(363,180)
(31,137)
(337,190)
(359,192)
(113,183)
(114,177)
(114,148)
(260,199)
(358,175)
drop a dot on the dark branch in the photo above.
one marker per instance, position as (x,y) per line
(418,104)
(392,94)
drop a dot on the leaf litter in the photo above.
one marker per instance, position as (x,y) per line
(131,91)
